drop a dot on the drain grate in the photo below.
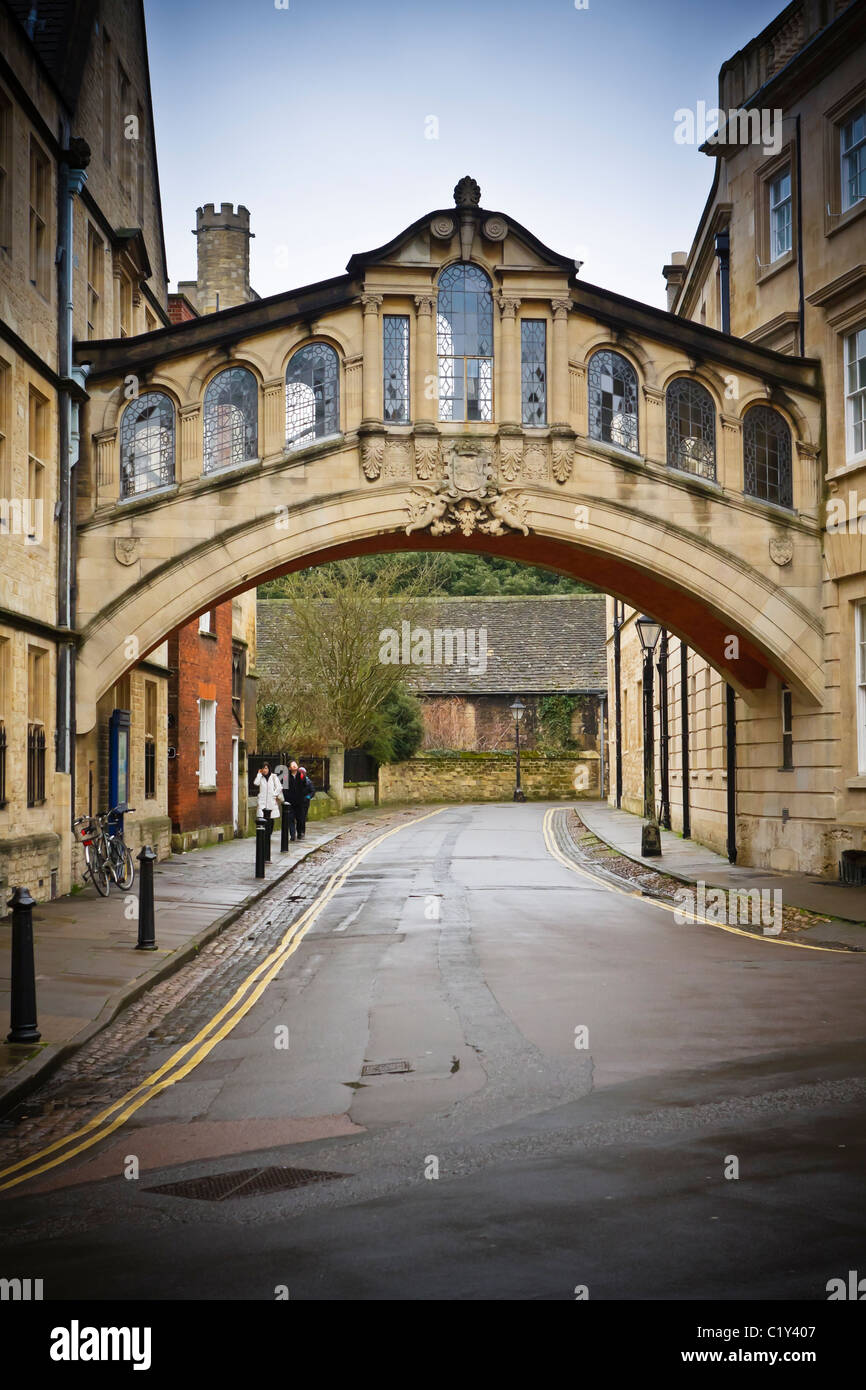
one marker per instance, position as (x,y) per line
(245,1182)
(384,1068)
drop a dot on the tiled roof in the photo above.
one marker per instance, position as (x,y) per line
(60,31)
(535,645)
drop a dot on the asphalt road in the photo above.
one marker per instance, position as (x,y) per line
(461,947)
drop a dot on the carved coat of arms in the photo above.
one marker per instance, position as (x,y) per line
(467,499)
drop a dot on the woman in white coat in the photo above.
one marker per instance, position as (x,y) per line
(270,794)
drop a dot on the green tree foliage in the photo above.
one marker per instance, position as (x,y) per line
(554,720)
(399,728)
(455,574)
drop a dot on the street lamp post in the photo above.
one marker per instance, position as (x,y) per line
(518,709)
(648,631)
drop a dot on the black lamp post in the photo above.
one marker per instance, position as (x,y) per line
(648,631)
(518,709)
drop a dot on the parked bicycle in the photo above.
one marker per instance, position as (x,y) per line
(107,856)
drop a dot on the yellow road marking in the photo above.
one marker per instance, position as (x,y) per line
(554,849)
(201,1045)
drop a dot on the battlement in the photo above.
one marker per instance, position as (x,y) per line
(209,219)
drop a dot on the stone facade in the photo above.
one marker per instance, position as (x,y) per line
(118,286)
(797,806)
(489,777)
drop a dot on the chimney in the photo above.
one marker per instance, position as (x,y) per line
(223,238)
(675,274)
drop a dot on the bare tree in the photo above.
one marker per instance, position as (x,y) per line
(336,673)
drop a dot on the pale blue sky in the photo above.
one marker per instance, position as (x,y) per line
(314,117)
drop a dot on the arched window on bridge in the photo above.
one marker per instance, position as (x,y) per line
(231,419)
(691,428)
(613,400)
(147,444)
(464,332)
(767,456)
(312,395)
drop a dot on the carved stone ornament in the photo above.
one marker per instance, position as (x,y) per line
(398,459)
(467,193)
(510,459)
(126,549)
(442,227)
(563,459)
(495,229)
(427,461)
(781,550)
(467,499)
(372,456)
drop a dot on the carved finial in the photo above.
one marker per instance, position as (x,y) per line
(467,193)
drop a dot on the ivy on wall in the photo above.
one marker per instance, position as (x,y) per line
(554,719)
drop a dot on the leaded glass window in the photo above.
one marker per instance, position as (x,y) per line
(613,400)
(465,344)
(767,456)
(395,342)
(533,371)
(231,419)
(691,428)
(147,444)
(312,395)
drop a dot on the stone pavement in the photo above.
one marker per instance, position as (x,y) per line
(86,966)
(692,862)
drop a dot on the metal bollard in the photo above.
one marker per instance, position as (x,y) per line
(146,927)
(269,830)
(261,836)
(284,829)
(23,1011)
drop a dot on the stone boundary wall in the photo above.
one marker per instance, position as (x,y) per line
(490,777)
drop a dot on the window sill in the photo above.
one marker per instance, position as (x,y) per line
(766,272)
(142,498)
(856,783)
(212,635)
(844,219)
(207,791)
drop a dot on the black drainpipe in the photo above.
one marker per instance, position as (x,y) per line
(617,668)
(664,759)
(731,702)
(684,734)
(723,249)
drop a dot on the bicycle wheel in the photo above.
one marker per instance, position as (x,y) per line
(97,867)
(122,865)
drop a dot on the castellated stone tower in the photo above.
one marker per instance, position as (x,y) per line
(223,280)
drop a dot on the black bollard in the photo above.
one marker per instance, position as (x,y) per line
(284,829)
(23,1010)
(269,827)
(146,927)
(261,837)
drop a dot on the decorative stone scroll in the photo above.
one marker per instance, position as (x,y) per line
(428,463)
(372,456)
(563,459)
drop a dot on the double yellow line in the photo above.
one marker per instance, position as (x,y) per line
(195,1051)
(553,848)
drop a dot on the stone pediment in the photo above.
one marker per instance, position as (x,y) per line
(460,230)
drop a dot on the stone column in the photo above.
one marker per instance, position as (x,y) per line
(426,366)
(508,408)
(274,418)
(559,411)
(190,459)
(652,440)
(371,304)
(106,471)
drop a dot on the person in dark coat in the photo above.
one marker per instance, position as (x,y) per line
(299,793)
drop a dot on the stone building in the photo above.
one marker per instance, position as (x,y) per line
(779,260)
(468,658)
(80,221)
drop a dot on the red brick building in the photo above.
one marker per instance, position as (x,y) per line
(205,733)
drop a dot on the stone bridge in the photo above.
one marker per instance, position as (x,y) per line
(457,388)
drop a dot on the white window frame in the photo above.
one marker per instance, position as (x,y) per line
(860,676)
(852,454)
(204,622)
(776,207)
(207,769)
(859,113)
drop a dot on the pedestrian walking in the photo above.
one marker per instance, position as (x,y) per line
(270,794)
(309,791)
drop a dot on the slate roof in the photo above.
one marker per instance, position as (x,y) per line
(535,645)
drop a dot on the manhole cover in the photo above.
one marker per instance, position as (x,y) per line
(246,1182)
(384,1068)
